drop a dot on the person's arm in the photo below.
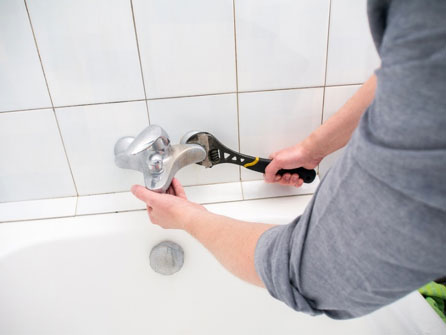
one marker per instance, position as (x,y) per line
(231,241)
(329,137)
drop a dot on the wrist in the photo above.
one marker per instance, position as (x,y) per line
(313,148)
(192,216)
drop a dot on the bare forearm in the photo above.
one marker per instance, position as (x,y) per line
(337,130)
(231,241)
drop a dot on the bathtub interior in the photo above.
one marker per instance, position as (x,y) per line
(91,275)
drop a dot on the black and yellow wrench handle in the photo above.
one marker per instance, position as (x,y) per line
(226,155)
(260,164)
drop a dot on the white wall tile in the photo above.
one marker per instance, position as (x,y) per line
(258,189)
(108,203)
(335,97)
(22,85)
(33,164)
(37,209)
(206,194)
(281,44)
(88,49)
(187,47)
(216,114)
(352,56)
(90,134)
(270,121)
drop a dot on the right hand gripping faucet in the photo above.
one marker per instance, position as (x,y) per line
(152,154)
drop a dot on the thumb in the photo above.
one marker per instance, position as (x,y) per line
(143,194)
(271,170)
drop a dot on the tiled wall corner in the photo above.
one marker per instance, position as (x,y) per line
(281,44)
(216,114)
(33,163)
(22,84)
(270,121)
(88,49)
(90,133)
(335,97)
(352,56)
(187,47)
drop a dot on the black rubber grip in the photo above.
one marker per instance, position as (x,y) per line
(307,175)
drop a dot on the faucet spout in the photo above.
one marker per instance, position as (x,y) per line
(151,153)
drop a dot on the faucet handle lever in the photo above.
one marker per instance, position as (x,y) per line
(153,137)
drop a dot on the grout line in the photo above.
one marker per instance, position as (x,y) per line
(326,62)
(173,97)
(38,54)
(75,208)
(241,188)
(139,57)
(140,210)
(191,96)
(51,98)
(100,103)
(281,89)
(25,109)
(236,88)
(326,70)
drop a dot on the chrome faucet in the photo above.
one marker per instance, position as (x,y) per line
(152,154)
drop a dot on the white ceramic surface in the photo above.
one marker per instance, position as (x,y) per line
(33,164)
(88,49)
(187,47)
(335,97)
(206,194)
(270,121)
(257,189)
(216,114)
(281,44)
(91,275)
(37,209)
(108,203)
(22,85)
(352,56)
(90,134)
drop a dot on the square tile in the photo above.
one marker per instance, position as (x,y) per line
(108,203)
(273,210)
(22,84)
(216,114)
(88,50)
(33,164)
(187,47)
(207,194)
(37,209)
(90,134)
(258,189)
(335,97)
(281,44)
(271,121)
(352,56)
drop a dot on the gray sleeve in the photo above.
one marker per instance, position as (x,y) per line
(375,229)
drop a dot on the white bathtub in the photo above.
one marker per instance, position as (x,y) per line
(91,275)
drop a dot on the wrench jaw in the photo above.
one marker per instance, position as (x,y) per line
(205,140)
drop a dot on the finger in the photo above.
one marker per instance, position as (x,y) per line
(271,170)
(271,156)
(294,179)
(144,194)
(170,190)
(178,188)
(149,209)
(300,182)
(286,178)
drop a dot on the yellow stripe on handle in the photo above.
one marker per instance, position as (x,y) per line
(254,162)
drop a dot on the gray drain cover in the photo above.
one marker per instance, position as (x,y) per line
(167,258)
